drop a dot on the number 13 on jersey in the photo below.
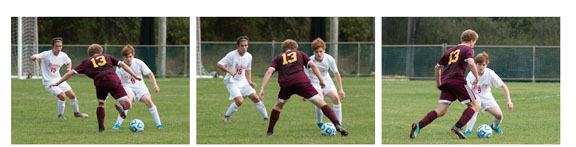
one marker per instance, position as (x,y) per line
(291,55)
(98,61)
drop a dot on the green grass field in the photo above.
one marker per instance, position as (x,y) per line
(535,119)
(297,123)
(34,115)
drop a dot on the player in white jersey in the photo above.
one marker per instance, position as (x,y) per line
(326,62)
(487,78)
(238,80)
(137,89)
(50,63)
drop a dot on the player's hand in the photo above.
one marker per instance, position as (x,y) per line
(52,85)
(261,94)
(232,74)
(138,78)
(252,84)
(510,106)
(342,94)
(156,88)
(322,84)
(39,59)
(474,83)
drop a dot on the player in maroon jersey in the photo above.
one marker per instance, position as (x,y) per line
(452,83)
(100,68)
(292,80)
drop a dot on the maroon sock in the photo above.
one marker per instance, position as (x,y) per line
(101,114)
(431,116)
(466,115)
(274,116)
(330,114)
(125,105)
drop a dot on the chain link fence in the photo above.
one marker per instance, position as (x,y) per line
(511,63)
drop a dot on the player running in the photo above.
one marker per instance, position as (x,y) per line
(100,68)
(292,80)
(487,78)
(452,83)
(238,67)
(50,63)
(325,62)
(137,89)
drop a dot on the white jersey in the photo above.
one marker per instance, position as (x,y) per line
(238,64)
(51,64)
(328,63)
(139,68)
(486,80)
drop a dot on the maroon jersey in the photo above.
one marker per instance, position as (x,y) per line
(455,61)
(100,68)
(290,66)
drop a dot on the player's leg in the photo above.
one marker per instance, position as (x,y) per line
(101,114)
(147,99)
(337,106)
(61,105)
(259,105)
(319,102)
(235,95)
(119,119)
(74,102)
(274,116)
(465,95)
(318,111)
(117,91)
(497,120)
(470,124)
(441,109)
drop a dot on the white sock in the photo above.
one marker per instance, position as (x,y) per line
(155,115)
(262,109)
(61,106)
(119,120)
(74,104)
(497,123)
(470,124)
(319,114)
(338,112)
(233,108)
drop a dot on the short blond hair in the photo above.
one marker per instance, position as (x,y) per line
(469,35)
(95,49)
(318,43)
(289,44)
(128,49)
(482,58)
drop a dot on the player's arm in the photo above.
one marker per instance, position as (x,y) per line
(507,93)
(437,73)
(69,66)
(127,69)
(267,76)
(339,80)
(223,68)
(153,79)
(317,73)
(35,57)
(64,78)
(474,71)
(249,78)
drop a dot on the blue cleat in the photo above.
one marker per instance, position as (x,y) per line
(497,130)
(415,130)
(320,124)
(160,126)
(116,127)
(468,133)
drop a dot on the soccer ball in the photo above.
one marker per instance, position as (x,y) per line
(136,125)
(328,129)
(484,131)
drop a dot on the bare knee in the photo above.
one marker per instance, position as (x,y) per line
(499,116)
(61,96)
(70,94)
(238,101)
(278,106)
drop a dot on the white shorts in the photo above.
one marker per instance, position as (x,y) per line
(137,92)
(487,103)
(243,91)
(329,87)
(63,87)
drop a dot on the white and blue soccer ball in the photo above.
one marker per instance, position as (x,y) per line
(484,131)
(328,129)
(136,125)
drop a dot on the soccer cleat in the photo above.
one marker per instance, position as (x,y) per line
(226,119)
(415,130)
(80,114)
(120,110)
(61,117)
(266,118)
(497,130)
(160,126)
(341,130)
(100,130)
(320,124)
(116,127)
(468,133)
(269,133)
(458,131)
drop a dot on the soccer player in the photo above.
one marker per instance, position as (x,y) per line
(292,80)
(100,68)
(137,89)
(238,67)
(452,83)
(487,78)
(325,62)
(50,63)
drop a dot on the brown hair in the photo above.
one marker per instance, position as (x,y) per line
(469,35)
(56,39)
(95,49)
(128,49)
(240,39)
(289,44)
(318,43)
(482,58)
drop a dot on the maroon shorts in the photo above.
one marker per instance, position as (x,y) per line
(451,92)
(305,90)
(113,87)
